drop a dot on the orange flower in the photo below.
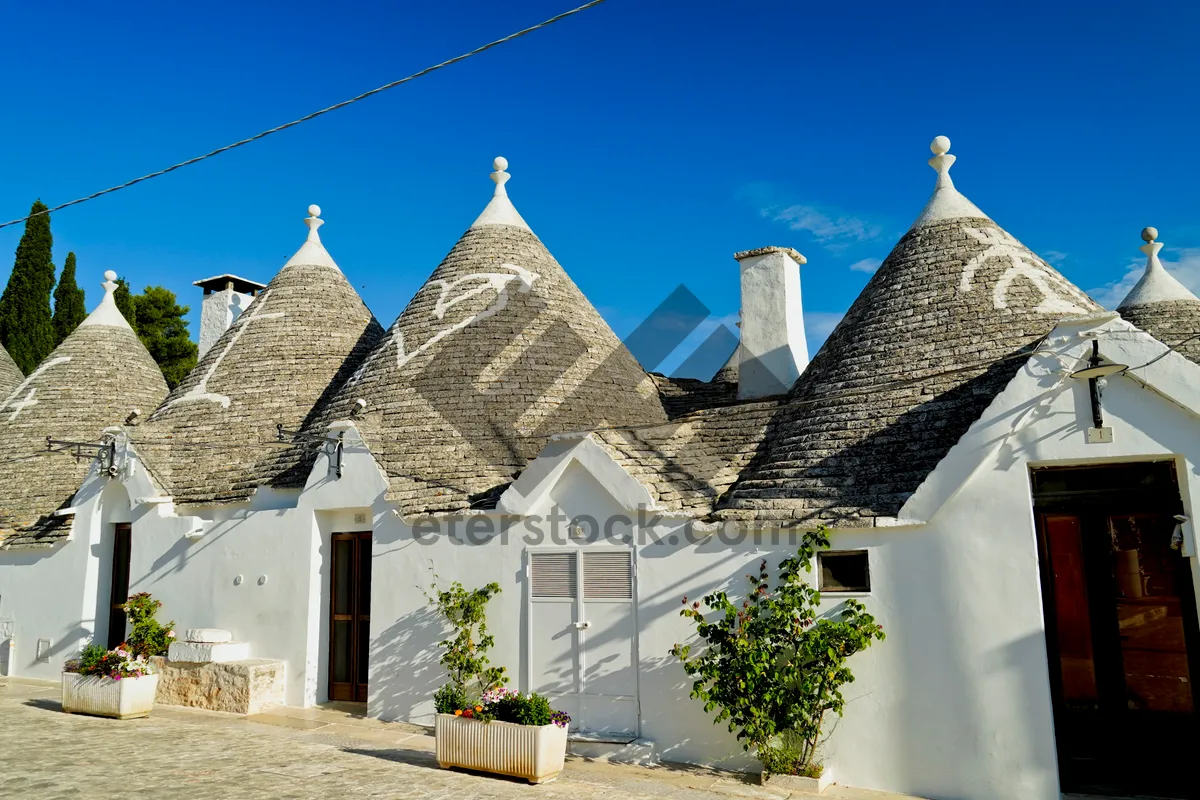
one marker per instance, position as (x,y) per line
(458,712)
(479,708)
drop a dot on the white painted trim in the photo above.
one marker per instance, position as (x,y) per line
(527,492)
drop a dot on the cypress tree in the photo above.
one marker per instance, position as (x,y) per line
(124,301)
(26,324)
(162,328)
(69,307)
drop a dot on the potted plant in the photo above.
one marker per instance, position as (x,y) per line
(481,724)
(505,732)
(773,667)
(108,683)
(121,682)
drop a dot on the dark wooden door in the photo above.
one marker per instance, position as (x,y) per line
(119,585)
(350,624)
(1122,638)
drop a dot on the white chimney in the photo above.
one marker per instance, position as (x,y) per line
(773,351)
(225,298)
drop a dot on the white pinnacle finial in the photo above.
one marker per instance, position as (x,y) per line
(947,202)
(314,221)
(942,160)
(1151,248)
(500,176)
(1156,284)
(106,313)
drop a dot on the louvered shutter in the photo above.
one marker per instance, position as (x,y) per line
(608,576)
(553,575)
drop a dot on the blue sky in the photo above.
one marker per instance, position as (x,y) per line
(647,140)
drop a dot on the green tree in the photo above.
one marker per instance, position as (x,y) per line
(773,666)
(124,300)
(161,326)
(26,324)
(69,308)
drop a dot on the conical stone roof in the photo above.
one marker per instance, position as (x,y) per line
(938,331)
(93,380)
(496,352)
(211,441)
(10,374)
(1162,306)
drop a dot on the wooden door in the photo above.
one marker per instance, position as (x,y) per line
(1122,639)
(350,619)
(119,584)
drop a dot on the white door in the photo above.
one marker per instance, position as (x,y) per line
(581,636)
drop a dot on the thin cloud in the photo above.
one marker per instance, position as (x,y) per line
(825,225)
(834,229)
(1185,268)
(1055,258)
(866,265)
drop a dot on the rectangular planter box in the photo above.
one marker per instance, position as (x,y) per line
(534,753)
(100,696)
(797,783)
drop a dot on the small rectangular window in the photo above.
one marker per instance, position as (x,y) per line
(844,571)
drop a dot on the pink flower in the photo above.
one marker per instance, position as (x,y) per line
(170,634)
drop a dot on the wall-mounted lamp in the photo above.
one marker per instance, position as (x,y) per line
(1096,373)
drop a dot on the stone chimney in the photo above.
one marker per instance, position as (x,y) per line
(225,298)
(773,351)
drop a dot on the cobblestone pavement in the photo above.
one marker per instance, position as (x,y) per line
(292,753)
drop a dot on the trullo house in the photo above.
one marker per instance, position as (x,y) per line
(1008,470)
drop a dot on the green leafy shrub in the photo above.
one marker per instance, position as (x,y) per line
(450,698)
(524,709)
(771,667)
(148,637)
(465,657)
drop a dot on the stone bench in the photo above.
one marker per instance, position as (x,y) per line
(211,671)
(239,687)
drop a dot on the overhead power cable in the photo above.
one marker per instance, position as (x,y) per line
(313,115)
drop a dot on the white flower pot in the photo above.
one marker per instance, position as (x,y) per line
(532,752)
(797,783)
(127,698)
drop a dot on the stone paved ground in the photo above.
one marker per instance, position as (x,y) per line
(293,754)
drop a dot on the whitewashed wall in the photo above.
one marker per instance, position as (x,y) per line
(61,593)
